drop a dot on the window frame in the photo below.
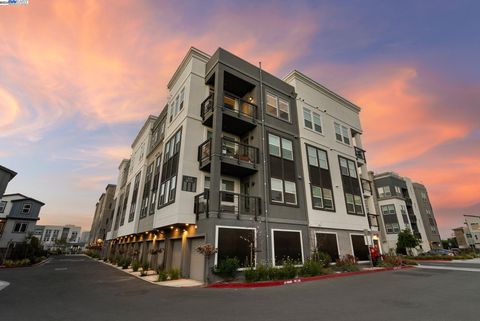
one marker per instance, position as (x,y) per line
(278,101)
(272,231)
(3,206)
(29,208)
(312,114)
(341,133)
(218,227)
(324,232)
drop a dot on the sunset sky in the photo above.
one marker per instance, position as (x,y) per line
(78,79)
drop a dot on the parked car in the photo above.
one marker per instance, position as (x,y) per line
(438,252)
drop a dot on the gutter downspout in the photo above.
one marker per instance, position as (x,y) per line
(264,159)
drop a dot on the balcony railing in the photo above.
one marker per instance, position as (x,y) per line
(230,203)
(236,105)
(205,152)
(239,151)
(366,186)
(373,220)
(360,154)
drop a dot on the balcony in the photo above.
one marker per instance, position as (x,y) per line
(230,203)
(373,221)
(360,155)
(366,187)
(239,116)
(237,159)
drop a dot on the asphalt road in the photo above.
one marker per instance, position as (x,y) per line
(78,288)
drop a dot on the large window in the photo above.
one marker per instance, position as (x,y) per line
(287,245)
(360,249)
(133,204)
(20,227)
(168,185)
(236,243)
(283,188)
(341,134)
(278,107)
(388,209)
(312,120)
(351,186)
(176,105)
(384,191)
(327,243)
(320,179)
(125,204)
(146,191)
(156,179)
(392,228)
(3,204)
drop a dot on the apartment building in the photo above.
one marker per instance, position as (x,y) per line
(472,223)
(341,212)
(52,237)
(18,216)
(235,160)
(426,214)
(397,202)
(103,218)
(463,237)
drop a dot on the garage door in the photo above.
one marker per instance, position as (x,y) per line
(197,260)
(176,254)
(360,249)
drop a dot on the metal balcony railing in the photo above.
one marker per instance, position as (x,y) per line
(360,154)
(373,220)
(229,202)
(230,149)
(231,103)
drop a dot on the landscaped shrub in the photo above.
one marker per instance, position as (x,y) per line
(409,262)
(347,263)
(431,257)
(391,260)
(126,263)
(227,268)
(145,267)
(323,258)
(16,263)
(287,271)
(162,276)
(174,274)
(251,274)
(135,266)
(311,267)
(120,262)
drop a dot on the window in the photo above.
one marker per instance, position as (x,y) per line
(403,210)
(360,249)
(341,134)
(3,204)
(55,235)
(133,204)
(392,228)
(26,208)
(236,243)
(278,107)
(20,227)
(274,145)
(46,237)
(280,147)
(398,191)
(384,191)
(277,190)
(287,245)
(290,193)
(156,179)
(168,184)
(388,209)
(351,186)
(287,149)
(320,179)
(189,184)
(312,120)
(125,204)
(176,105)
(327,243)
(146,191)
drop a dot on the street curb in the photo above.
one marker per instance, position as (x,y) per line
(419,261)
(25,266)
(302,279)
(139,277)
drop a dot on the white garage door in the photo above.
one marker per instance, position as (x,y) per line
(176,254)
(197,260)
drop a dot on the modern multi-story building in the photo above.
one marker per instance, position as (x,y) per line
(463,237)
(102,220)
(18,216)
(52,237)
(263,169)
(400,208)
(472,223)
(6,175)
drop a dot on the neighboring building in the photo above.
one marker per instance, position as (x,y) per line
(18,216)
(64,237)
(6,175)
(401,209)
(426,213)
(103,218)
(84,237)
(264,169)
(472,223)
(463,237)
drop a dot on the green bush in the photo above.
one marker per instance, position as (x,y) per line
(135,266)
(390,260)
(321,257)
(145,267)
(311,267)
(409,262)
(251,275)
(347,263)
(174,274)
(16,263)
(287,271)
(227,268)
(162,276)
(126,263)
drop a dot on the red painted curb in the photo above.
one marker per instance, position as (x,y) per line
(301,279)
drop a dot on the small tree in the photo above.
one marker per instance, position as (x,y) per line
(406,242)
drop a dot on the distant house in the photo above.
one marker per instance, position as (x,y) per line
(18,217)
(6,175)
(65,237)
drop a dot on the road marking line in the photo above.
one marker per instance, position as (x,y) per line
(3,285)
(450,268)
